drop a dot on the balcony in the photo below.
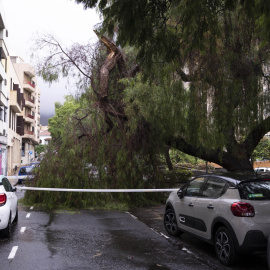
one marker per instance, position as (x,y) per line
(30,102)
(29,70)
(29,118)
(29,85)
(29,134)
(14,102)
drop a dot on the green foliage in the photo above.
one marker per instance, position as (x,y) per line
(40,148)
(220,48)
(63,114)
(175,177)
(180,157)
(262,150)
(80,145)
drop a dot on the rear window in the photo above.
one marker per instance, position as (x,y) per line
(257,190)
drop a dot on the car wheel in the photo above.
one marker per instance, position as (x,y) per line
(224,247)
(7,231)
(170,223)
(16,217)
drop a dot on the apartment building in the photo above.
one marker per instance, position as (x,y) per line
(15,131)
(28,121)
(19,107)
(3,95)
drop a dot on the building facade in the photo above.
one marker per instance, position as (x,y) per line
(3,94)
(29,118)
(19,107)
(15,131)
(45,135)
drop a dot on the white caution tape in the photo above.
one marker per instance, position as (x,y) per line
(17,177)
(95,190)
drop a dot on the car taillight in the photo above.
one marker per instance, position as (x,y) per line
(242,209)
(3,199)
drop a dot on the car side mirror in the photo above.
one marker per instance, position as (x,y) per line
(180,194)
(14,189)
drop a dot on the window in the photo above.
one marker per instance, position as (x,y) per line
(214,188)
(1,112)
(194,188)
(257,190)
(5,114)
(6,185)
(23,149)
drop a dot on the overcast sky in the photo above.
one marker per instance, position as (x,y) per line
(65,19)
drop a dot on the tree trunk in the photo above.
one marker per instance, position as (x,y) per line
(233,164)
(237,160)
(168,159)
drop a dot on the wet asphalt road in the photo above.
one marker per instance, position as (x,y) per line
(89,240)
(106,240)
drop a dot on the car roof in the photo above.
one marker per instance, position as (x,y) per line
(236,178)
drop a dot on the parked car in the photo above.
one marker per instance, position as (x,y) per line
(27,172)
(262,169)
(35,164)
(8,206)
(230,212)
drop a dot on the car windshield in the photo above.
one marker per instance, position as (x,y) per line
(26,170)
(255,190)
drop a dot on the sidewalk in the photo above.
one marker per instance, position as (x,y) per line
(152,216)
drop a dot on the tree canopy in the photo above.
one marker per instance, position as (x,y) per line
(220,49)
(201,83)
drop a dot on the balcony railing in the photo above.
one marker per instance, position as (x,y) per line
(29,132)
(30,83)
(30,100)
(30,116)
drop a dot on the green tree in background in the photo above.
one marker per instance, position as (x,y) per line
(63,114)
(262,151)
(40,148)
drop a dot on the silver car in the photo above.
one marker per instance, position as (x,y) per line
(230,212)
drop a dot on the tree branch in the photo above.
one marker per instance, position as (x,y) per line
(256,134)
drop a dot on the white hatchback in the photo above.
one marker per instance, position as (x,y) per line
(230,212)
(8,206)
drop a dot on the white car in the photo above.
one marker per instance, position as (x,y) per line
(230,212)
(8,206)
(262,169)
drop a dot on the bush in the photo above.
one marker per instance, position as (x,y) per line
(179,176)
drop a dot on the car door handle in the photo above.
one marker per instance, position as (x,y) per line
(191,204)
(182,219)
(210,206)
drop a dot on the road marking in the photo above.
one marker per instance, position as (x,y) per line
(165,236)
(131,215)
(12,253)
(22,229)
(28,215)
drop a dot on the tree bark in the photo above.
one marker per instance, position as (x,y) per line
(168,159)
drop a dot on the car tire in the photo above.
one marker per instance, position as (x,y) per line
(224,247)
(7,231)
(15,220)
(170,223)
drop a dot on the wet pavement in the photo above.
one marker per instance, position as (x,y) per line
(89,240)
(108,240)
